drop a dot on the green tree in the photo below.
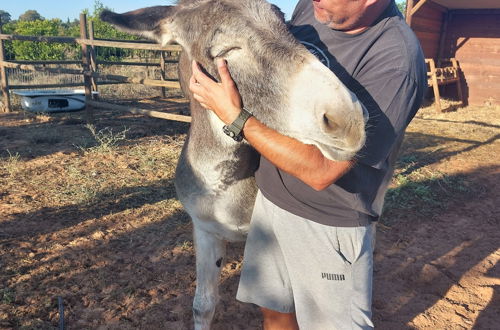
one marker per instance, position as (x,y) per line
(401,6)
(30,15)
(28,50)
(4,17)
(103,30)
(8,28)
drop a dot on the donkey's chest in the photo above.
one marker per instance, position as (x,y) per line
(216,168)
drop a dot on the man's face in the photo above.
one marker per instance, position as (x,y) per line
(341,15)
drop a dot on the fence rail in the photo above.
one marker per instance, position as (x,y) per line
(129,44)
(89,62)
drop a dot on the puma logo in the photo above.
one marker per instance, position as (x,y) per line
(333,277)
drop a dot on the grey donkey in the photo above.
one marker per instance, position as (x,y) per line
(285,87)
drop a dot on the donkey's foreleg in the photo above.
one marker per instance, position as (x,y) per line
(210,253)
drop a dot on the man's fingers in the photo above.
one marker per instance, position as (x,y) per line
(193,84)
(197,97)
(200,100)
(225,76)
(201,77)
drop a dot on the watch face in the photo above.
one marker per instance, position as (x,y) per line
(231,134)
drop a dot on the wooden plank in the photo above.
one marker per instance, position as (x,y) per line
(480,70)
(41,86)
(87,79)
(434,84)
(135,63)
(47,62)
(150,113)
(423,23)
(437,7)
(42,68)
(97,42)
(446,19)
(428,35)
(475,12)
(136,80)
(93,60)
(4,83)
(417,6)
(163,72)
(470,56)
(429,12)
(67,40)
(409,7)
(129,45)
(426,29)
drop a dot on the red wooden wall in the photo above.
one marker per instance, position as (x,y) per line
(427,23)
(473,37)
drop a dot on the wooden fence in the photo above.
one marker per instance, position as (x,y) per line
(89,63)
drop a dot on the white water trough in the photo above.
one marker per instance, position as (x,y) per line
(53,100)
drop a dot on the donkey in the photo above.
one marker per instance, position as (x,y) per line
(282,83)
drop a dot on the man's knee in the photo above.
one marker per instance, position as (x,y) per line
(274,320)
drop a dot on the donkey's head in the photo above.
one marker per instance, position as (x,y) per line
(283,84)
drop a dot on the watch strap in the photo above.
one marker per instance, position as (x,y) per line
(235,129)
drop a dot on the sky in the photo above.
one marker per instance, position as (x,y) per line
(71,9)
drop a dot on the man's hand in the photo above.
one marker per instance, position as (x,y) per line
(222,98)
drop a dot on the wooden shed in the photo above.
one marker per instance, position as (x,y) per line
(465,30)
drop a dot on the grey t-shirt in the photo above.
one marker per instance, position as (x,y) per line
(384,66)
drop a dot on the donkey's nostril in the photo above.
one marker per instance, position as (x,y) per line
(325,119)
(329,122)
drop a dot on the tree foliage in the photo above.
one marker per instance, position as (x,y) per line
(402,6)
(27,50)
(31,23)
(4,17)
(103,30)
(30,16)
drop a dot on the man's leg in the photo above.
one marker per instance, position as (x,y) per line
(279,321)
(322,273)
(264,280)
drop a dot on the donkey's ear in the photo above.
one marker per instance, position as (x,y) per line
(146,22)
(277,10)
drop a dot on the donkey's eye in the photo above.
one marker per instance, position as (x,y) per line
(225,51)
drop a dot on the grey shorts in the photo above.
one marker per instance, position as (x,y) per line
(322,273)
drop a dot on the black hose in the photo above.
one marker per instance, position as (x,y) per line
(61,313)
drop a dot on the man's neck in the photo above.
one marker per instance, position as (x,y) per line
(373,11)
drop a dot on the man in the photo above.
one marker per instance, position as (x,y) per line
(315,215)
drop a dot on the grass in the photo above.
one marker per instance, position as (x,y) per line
(421,190)
(105,140)
(7,296)
(425,194)
(186,246)
(11,164)
(48,136)
(110,203)
(424,182)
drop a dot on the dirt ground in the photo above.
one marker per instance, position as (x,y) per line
(89,214)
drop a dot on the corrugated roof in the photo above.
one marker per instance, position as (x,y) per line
(469,4)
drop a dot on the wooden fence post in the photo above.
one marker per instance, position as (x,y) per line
(86,68)
(163,72)
(409,8)
(93,59)
(4,78)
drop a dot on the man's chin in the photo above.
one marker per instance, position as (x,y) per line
(328,21)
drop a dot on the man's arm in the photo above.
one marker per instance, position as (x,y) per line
(303,161)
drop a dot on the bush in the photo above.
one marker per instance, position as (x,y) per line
(28,50)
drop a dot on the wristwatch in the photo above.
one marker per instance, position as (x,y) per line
(235,129)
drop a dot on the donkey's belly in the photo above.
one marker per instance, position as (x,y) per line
(218,201)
